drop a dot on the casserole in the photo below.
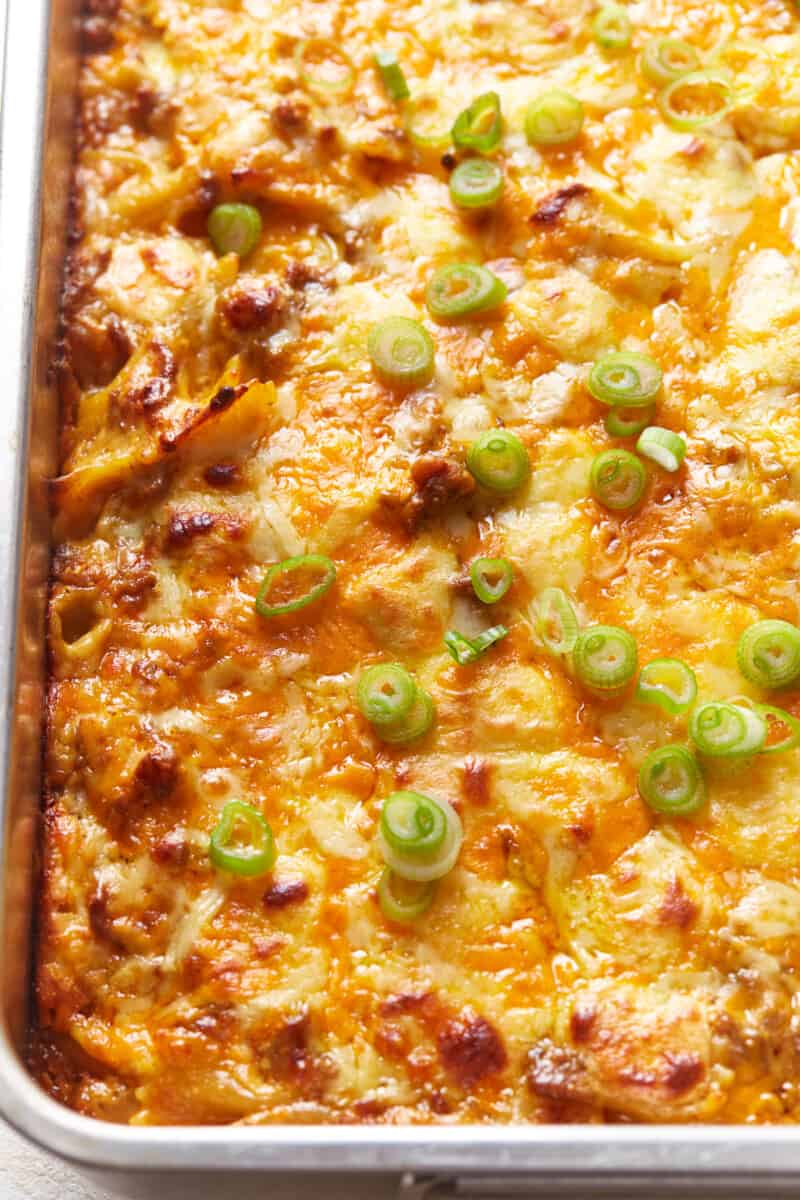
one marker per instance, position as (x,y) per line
(548,1151)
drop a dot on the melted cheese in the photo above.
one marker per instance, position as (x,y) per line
(586,958)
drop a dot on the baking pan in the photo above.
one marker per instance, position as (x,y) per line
(35,160)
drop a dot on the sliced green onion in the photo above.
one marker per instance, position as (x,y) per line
(402,352)
(480,126)
(666,59)
(491,578)
(627,422)
(604,657)
(402,900)
(553,119)
(476,184)
(466,650)
(612,27)
(617,479)
(413,824)
(722,730)
(499,461)
(418,722)
(323,66)
(463,290)
(671,782)
(695,100)
(556,623)
(623,377)
(386,694)
(251,853)
(768,653)
(664,447)
(669,683)
(313,573)
(777,718)
(407,834)
(425,124)
(234,228)
(391,73)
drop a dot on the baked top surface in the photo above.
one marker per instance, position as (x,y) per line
(587,959)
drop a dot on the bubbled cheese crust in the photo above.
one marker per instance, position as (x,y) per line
(585,959)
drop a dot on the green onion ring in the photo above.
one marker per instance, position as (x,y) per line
(463,290)
(664,447)
(553,119)
(491,578)
(386,694)
(418,123)
(413,824)
(499,461)
(671,782)
(617,479)
(234,228)
(556,622)
(604,657)
(480,126)
(768,654)
(723,730)
(716,82)
(323,52)
(626,378)
(612,27)
(413,866)
(418,722)
(255,855)
(476,184)
(628,422)
(402,352)
(315,564)
(669,683)
(401,900)
(666,59)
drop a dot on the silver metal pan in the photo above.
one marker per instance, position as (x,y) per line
(37,125)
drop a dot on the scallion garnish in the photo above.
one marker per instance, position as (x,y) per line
(242,842)
(480,126)
(491,578)
(499,461)
(401,900)
(604,657)
(556,622)
(323,66)
(627,422)
(778,719)
(768,653)
(617,479)
(313,574)
(612,27)
(698,99)
(424,123)
(234,228)
(669,683)
(671,782)
(664,447)
(420,837)
(386,693)
(391,73)
(723,730)
(402,352)
(553,119)
(463,290)
(625,378)
(416,724)
(666,59)
(476,184)
(466,650)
